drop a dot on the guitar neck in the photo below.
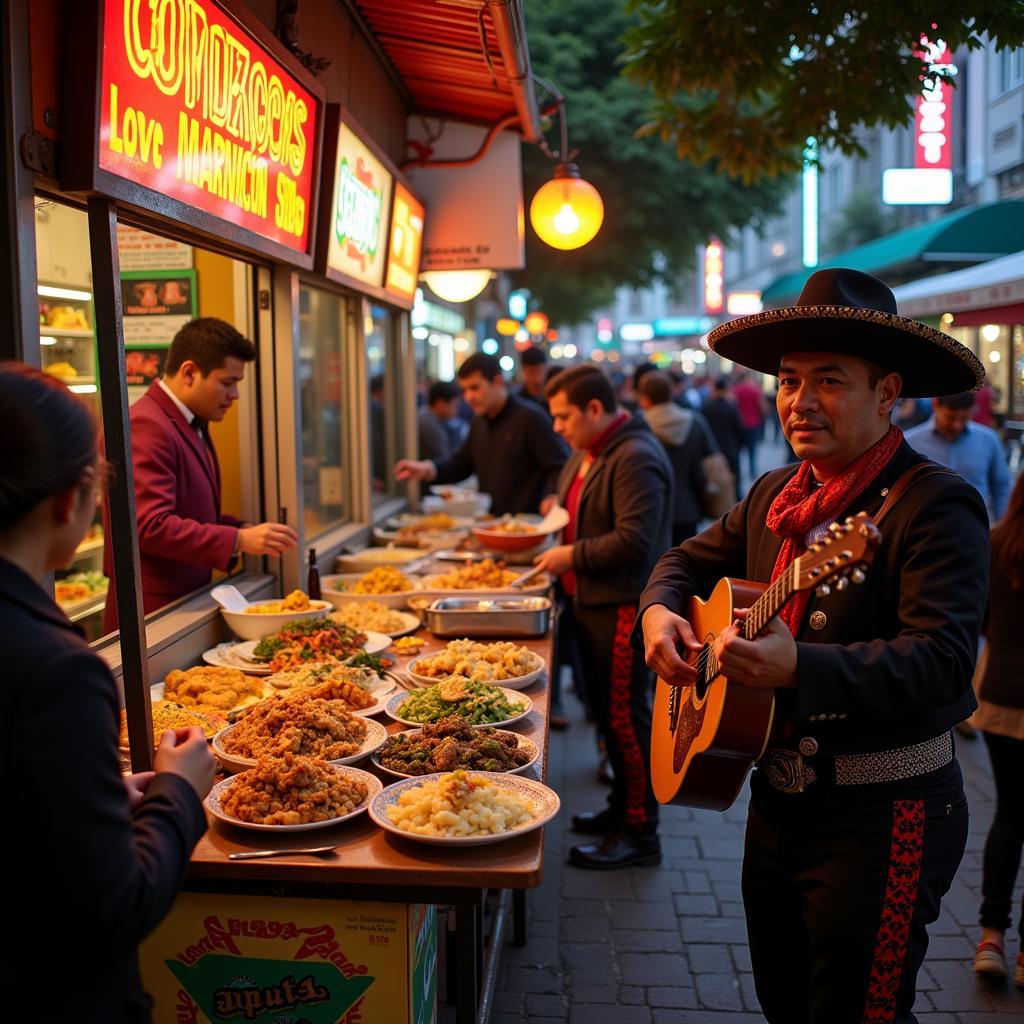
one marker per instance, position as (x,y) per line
(770,603)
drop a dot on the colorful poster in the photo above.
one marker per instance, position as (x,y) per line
(358,223)
(194,108)
(156,304)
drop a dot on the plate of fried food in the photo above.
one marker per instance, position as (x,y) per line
(478,703)
(463,808)
(300,723)
(488,576)
(454,743)
(169,715)
(361,690)
(375,617)
(293,793)
(435,529)
(213,690)
(501,661)
(385,584)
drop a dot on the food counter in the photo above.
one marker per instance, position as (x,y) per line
(370,864)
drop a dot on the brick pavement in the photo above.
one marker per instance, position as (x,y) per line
(667,945)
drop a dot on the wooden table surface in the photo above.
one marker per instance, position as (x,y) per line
(369,856)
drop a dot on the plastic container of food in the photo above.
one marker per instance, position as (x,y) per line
(490,617)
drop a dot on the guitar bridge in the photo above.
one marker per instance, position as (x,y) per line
(674,707)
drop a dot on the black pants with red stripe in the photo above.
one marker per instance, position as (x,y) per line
(839,885)
(619,687)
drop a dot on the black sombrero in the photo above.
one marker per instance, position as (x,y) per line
(852,313)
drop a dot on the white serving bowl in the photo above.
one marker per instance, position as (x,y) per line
(256,626)
(332,588)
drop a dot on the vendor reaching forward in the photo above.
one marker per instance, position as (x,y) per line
(511,447)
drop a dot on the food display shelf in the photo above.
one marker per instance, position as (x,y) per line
(87,548)
(66,332)
(76,610)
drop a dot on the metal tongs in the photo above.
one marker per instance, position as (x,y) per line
(520,581)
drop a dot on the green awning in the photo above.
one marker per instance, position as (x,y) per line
(971,235)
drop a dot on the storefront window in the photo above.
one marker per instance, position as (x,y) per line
(321,373)
(383,401)
(1017,376)
(164,284)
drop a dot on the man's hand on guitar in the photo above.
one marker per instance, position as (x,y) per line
(768,661)
(664,634)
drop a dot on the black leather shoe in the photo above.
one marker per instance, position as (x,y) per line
(597,823)
(618,851)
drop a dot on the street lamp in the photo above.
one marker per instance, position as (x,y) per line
(457,285)
(566,212)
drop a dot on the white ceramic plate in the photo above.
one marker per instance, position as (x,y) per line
(379,689)
(409,623)
(544,799)
(335,589)
(225,656)
(376,734)
(512,696)
(376,642)
(515,683)
(525,743)
(373,790)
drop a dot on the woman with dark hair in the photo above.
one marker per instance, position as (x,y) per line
(99,858)
(1000,718)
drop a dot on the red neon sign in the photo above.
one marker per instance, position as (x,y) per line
(933,145)
(196,109)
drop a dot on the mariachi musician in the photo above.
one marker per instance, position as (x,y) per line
(857,819)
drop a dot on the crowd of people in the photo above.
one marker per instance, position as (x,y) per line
(857,820)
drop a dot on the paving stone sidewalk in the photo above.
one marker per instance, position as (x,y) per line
(668,945)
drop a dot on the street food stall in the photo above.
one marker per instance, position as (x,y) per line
(193,166)
(254,905)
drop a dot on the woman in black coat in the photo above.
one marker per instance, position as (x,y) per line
(93,860)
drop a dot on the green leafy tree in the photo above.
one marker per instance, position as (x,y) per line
(743,83)
(657,208)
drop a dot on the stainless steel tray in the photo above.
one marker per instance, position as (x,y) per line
(488,617)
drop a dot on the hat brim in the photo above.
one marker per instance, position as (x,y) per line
(931,363)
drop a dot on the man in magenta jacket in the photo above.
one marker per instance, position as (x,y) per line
(183,535)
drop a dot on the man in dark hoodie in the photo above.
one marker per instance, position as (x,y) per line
(617,489)
(687,441)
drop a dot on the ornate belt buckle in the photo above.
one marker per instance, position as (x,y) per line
(787,771)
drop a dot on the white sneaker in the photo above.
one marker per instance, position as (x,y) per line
(989,960)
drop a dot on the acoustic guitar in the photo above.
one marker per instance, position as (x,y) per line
(706,737)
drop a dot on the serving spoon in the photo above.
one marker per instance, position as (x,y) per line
(254,854)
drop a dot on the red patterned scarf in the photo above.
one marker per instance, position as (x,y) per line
(800,506)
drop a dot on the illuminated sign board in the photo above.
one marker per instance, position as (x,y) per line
(930,181)
(354,228)
(676,326)
(194,107)
(933,143)
(714,276)
(406,243)
(743,303)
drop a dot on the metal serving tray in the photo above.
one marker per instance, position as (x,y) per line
(488,617)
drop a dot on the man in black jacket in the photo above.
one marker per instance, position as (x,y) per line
(511,447)
(857,819)
(617,488)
